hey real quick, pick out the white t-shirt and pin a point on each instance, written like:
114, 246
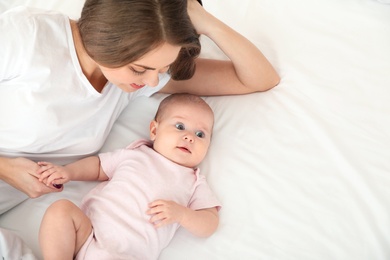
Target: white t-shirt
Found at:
48, 108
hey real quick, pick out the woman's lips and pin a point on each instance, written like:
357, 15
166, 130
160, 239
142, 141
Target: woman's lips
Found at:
136, 86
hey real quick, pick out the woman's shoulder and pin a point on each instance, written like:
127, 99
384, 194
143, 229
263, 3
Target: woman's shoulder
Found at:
28, 18
26, 32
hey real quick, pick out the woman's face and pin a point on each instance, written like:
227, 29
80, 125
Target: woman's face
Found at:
144, 71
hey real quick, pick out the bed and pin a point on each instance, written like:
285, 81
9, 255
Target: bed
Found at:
302, 170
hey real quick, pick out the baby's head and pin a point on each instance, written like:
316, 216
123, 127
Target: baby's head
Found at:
182, 129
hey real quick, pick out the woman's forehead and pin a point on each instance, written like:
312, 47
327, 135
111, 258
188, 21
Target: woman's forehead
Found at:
160, 57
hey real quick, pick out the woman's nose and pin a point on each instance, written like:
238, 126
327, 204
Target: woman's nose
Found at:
151, 79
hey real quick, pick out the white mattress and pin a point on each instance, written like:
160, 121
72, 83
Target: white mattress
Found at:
303, 170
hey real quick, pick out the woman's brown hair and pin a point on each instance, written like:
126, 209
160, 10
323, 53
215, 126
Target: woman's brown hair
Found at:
118, 32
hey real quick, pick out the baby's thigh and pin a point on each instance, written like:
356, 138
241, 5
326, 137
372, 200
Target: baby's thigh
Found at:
83, 226
71, 221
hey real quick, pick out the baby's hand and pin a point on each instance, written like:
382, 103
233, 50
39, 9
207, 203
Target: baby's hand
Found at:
165, 212
52, 174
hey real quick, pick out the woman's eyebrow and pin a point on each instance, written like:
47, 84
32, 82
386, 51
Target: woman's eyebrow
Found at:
145, 67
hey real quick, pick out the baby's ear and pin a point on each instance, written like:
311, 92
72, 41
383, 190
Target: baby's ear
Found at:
153, 129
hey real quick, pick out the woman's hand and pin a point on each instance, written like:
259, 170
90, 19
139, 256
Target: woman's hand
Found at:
245, 71
21, 174
199, 16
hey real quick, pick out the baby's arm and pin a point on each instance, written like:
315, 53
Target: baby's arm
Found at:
202, 223
87, 169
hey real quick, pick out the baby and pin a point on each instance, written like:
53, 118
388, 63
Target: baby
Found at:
150, 188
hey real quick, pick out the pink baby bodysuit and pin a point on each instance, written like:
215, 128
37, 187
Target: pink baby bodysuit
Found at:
117, 208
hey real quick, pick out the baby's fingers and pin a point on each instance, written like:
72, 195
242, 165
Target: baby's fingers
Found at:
44, 166
56, 183
57, 179
160, 220
45, 174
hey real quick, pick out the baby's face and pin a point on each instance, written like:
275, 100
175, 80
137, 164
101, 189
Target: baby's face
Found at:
183, 133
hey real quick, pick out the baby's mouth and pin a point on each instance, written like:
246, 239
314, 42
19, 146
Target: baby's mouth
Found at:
184, 149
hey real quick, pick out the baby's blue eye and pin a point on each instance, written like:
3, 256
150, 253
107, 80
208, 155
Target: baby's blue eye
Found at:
200, 134
180, 126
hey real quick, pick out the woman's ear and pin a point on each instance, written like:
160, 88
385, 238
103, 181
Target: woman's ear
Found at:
153, 129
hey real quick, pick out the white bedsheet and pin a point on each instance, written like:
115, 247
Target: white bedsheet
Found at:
303, 170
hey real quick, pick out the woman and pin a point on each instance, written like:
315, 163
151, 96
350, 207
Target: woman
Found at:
66, 81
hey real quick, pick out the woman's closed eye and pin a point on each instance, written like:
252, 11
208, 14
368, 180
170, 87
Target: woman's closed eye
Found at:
140, 72
137, 72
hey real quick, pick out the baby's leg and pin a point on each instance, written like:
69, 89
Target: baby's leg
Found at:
64, 229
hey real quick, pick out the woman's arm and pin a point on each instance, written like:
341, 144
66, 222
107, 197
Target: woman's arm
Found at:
20, 173
247, 70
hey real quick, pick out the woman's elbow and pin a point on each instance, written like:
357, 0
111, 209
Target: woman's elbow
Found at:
274, 81
270, 82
